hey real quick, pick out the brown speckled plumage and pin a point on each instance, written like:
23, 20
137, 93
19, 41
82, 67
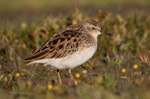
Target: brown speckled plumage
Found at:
71, 39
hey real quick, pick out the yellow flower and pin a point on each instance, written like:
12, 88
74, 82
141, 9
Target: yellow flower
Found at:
23, 25
135, 66
123, 70
49, 86
77, 75
17, 74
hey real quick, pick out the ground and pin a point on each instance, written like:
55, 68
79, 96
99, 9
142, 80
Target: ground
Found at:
119, 69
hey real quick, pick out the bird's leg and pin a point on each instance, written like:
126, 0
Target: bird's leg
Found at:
59, 78
71, 77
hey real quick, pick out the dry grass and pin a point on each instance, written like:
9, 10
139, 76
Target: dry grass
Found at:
102, 77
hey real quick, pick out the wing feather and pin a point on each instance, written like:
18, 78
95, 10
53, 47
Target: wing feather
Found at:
58, 46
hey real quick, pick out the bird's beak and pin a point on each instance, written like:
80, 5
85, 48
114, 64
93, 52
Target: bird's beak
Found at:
108, 34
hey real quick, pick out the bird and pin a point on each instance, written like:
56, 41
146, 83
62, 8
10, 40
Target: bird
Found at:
68, 48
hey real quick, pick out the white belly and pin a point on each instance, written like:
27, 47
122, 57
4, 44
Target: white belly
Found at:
70, 61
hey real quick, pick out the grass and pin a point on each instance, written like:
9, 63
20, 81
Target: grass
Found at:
54, 4
110, 74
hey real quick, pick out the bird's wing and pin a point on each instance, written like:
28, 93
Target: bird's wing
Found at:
58, 46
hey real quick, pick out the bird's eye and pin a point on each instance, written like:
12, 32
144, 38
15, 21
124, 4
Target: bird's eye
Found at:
93, 28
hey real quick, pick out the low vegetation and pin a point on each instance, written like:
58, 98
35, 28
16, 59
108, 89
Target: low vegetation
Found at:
120, 69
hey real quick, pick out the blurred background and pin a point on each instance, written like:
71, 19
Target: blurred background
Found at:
119, 69
27, 9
